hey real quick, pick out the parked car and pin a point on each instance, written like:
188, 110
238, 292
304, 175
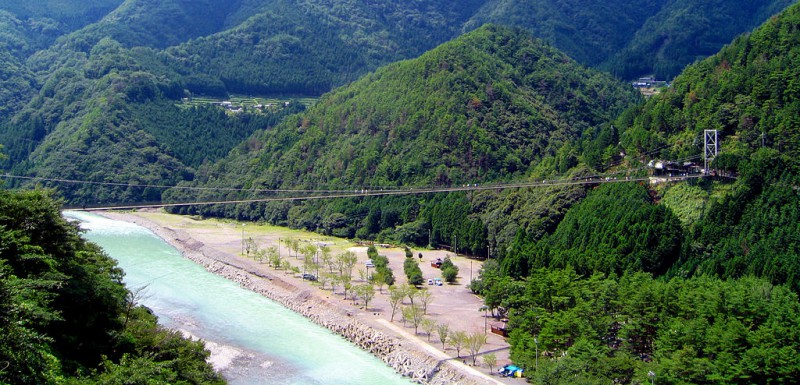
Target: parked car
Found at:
511, 371
309, 277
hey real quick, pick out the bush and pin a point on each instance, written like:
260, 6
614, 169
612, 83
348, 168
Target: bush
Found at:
450, 274
412, 270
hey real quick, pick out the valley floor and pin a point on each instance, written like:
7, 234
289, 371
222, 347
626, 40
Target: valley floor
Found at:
453, 305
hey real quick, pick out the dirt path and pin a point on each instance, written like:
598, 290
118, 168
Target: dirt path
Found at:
453, 305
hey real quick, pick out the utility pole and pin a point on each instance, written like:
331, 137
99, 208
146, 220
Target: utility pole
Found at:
711, 147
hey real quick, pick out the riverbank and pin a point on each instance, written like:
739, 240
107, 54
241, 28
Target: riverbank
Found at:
214, 247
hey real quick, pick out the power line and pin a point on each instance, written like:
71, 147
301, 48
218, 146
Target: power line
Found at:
317, 194
120, 184
410, 191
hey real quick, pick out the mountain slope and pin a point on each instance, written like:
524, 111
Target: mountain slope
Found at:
630, 39
71, 13
289, 47
685, 31
750, 93
745, 226
110, 120
483, 107
16, 80
588, 31
488, 106
303, 47
161, 23
717, 301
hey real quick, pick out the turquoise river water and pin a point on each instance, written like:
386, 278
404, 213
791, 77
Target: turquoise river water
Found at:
253, 340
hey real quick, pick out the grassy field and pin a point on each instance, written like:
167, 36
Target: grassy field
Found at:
265, 235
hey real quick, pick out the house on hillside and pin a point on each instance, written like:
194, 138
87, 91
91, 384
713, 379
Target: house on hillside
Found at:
672, 169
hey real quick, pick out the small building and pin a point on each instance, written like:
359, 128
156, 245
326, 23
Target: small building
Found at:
500, 329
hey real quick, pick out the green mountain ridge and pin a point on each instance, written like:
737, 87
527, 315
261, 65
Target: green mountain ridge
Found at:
695, 282
718, 301
60, 52
685, 31
486, 107
749, 93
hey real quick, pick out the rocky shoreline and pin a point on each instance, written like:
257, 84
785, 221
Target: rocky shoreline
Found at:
404, 358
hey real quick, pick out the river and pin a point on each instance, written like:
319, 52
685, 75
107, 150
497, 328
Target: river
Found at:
253, 340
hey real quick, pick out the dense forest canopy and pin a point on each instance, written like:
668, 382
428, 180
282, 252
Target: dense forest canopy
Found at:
720, 303
748, 92
75, 71
685, 31
66, 316
486, 107
696, 282
630, 39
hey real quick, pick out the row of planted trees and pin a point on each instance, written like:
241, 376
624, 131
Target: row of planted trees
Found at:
406, 300
319, 264
414, 313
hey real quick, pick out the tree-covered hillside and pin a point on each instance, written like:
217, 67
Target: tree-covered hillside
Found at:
489, 106
685, 31
688, 283
65, 62
749, 93
71, 13
16, 80
66, 317
109, 119
304, 47
161, 23
96, 105
630, 39
588, 31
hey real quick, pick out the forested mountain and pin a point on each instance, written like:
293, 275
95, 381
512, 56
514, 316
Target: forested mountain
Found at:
68, 67
588, 31
631, 39
97, 104
16, 80
694, 282
751, 94
488, 106
160, 23
305, 47
65, 315
684, 31
71, 14
483, 107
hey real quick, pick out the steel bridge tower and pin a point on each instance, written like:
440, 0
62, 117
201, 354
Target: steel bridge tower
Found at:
711, 148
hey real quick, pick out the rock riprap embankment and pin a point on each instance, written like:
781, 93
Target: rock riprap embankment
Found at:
400, 355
